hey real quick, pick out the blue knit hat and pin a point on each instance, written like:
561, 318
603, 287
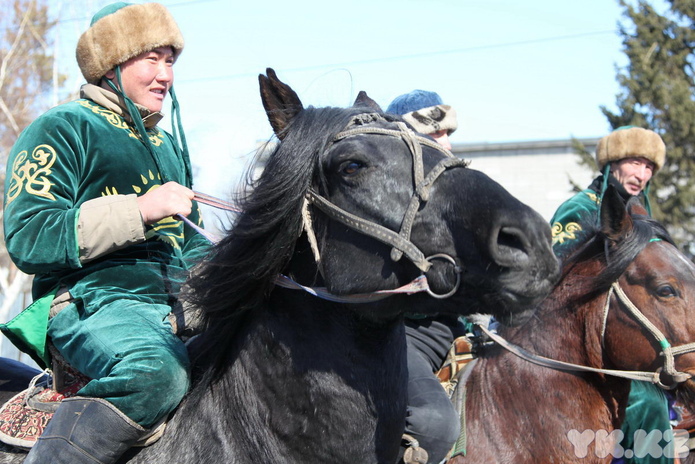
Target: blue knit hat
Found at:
425, 111
413, 101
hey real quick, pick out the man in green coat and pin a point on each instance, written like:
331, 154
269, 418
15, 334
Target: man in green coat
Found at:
627, 158
94, 196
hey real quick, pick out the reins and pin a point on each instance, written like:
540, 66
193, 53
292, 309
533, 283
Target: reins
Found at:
400, 241
654, 377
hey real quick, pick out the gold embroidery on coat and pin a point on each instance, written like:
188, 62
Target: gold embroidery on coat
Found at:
168, 230
156, 137
112, 118
568, 233
31, 173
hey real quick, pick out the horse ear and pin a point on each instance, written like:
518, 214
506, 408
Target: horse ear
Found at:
636, 208
363, 101
281, 103
615, 220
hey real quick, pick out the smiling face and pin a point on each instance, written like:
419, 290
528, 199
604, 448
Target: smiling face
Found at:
633, 173
148, 77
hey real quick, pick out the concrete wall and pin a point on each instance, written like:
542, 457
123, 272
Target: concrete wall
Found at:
537, 172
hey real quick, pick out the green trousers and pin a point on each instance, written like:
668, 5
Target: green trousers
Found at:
128, 349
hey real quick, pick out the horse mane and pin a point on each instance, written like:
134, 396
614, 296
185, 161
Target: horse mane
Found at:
239, 274
615, 255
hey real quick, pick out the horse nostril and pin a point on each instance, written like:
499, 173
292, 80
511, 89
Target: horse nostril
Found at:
510, 247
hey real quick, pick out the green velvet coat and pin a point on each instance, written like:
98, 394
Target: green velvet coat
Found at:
67, 157
570, 222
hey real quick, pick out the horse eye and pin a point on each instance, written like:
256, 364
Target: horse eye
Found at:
350, 168
665, 291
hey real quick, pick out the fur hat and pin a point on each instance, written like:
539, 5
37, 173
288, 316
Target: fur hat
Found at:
631, 142
122, 31
424, 111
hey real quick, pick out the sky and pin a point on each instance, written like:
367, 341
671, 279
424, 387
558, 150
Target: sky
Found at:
513, 70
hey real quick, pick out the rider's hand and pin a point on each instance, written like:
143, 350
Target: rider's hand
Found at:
165, 201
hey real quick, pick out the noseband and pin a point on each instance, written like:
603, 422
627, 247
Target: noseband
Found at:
400, 241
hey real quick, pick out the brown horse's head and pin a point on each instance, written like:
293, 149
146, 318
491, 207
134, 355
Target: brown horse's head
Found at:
651, 310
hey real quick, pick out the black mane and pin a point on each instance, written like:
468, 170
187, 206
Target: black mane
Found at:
618, 255
242, 267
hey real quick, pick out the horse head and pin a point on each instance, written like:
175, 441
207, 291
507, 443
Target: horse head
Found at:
648, 309
384, 205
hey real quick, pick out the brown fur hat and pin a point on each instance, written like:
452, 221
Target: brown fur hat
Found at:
122, 31
631, 142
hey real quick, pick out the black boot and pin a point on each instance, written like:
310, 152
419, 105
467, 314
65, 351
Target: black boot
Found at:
85, 430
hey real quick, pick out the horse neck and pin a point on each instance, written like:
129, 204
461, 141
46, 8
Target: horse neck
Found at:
548, 401
317, 365
566, 326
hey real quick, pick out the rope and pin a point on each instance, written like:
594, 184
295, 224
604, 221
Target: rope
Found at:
416, 286
653, 377
215, 202
565, 366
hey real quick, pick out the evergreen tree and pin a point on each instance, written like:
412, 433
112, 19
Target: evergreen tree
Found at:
658, 93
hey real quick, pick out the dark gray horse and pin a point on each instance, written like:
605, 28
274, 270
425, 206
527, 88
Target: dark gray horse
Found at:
285, 377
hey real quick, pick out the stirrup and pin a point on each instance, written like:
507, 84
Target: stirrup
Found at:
413, 453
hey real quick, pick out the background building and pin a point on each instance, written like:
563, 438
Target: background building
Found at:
539, 173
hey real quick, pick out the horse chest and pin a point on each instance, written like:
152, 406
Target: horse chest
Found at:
507, 397
324, 390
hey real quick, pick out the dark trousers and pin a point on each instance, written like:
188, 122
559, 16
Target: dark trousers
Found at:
431, 418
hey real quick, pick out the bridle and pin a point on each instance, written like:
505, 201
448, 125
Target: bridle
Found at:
400, 241
668, 352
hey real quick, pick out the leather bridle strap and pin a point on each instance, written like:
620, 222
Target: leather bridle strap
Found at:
400, 241
652, 377
371, 229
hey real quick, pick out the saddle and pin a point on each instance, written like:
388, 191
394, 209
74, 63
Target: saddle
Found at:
24, 417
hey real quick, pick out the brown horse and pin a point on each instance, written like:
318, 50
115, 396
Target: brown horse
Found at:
518, 412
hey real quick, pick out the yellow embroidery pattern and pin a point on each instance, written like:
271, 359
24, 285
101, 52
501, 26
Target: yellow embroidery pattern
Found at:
593, 196
156, 137
31, 173
169, 230
569, 232
112, 118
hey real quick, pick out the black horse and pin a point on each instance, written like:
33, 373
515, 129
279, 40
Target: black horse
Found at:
353, 201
